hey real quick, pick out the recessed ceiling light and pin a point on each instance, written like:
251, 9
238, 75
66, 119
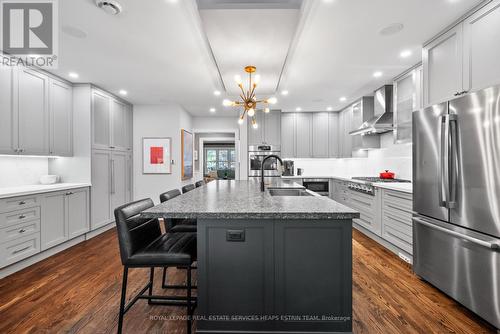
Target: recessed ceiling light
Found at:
213, 110
343, 99
172, 1
298, 109
123, 92
217, 92
73, 75
327, 1
284, 92
111, 7
377, 74
405, 53
391, 29
329, 108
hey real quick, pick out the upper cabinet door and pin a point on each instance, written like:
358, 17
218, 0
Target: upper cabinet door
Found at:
405, 102
101, 120
288, 135
303, 135
256, 136
119, 124
482, 48
61, 118
130, 128
333, 135
33, 113
347, 145
8, 111
442, 60
320, 135
272, 128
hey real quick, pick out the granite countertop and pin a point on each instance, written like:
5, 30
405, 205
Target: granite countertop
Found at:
244, 200
396, 186
38, 189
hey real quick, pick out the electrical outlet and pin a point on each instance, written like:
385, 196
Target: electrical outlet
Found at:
404, 258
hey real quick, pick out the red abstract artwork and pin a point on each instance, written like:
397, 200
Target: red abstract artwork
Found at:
156, 155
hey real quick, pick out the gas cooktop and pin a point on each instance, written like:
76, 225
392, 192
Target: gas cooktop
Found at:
377, 179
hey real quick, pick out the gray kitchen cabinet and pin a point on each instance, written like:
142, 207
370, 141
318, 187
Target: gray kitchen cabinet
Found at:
356, 122
303, 134
481, 50
119, 180
101, 120
288, 135
369, 207
442, 61
54, 230
320, 137
8, 111
33, 114
130, 178
333, 135
256, 136
61, 118
397, 219
101, 188
64, 215
272, 128
119, 138
406, 101
78, 209
130, 128
345, 127
268, 131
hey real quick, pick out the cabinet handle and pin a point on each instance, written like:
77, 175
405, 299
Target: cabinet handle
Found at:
111, 147
22, 230
21, 250
69, 193
22, 216
22, 203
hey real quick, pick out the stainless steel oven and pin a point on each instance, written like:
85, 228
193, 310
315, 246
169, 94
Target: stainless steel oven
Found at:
256, 155
319, 186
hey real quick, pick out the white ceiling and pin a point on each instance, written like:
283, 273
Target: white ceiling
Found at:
159, 51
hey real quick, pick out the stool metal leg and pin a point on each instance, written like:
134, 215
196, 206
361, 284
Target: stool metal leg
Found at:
164, 279
122, 300
151, 280
189, 306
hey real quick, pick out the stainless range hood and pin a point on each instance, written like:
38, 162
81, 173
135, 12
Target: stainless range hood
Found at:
382, 122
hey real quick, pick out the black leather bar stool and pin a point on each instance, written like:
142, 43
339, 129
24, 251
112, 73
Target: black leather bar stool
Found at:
175, 226
188, 188
142, 245
200, 183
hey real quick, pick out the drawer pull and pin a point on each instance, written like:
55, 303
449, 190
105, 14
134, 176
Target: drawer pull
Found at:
22, 203
22, 230
22, 216
69, 193
21, 250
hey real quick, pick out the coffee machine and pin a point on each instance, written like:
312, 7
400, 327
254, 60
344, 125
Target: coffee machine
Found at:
288, 168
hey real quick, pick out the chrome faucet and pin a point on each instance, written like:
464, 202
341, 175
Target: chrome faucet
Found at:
262, 187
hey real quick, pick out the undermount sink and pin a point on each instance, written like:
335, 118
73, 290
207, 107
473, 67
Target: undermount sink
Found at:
288, 192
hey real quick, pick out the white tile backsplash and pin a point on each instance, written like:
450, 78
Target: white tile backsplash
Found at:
20, 171
396, 158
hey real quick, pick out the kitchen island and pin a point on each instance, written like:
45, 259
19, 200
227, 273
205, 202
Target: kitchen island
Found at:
268, 262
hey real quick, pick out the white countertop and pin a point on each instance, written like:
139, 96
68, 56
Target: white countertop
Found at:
396, 186
38, 189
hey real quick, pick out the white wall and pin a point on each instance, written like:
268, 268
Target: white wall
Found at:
20, 171
158, 121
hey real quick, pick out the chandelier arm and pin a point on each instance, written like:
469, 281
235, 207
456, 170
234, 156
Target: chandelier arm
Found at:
242, 91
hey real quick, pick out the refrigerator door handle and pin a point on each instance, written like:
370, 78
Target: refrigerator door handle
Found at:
443, 174
491, 245
453, 126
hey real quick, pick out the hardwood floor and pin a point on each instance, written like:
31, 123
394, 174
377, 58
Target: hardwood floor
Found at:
78, 291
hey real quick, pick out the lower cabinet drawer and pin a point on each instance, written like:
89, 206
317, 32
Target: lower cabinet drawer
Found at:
18, 203
398, 231
18, 231
19, 216
19, 249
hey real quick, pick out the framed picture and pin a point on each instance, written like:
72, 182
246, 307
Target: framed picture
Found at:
157, 155
187, 154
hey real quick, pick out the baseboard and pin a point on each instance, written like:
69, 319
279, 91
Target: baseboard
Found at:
18, 266
396, 250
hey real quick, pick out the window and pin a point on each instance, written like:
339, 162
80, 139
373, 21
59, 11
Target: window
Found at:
221, 160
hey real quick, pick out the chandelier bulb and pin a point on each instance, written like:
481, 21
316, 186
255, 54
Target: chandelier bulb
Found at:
251, 112
254, 123
238, 80
227, 103
241, 120
272, 100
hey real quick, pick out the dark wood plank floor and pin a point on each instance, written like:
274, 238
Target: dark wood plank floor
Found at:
78, 291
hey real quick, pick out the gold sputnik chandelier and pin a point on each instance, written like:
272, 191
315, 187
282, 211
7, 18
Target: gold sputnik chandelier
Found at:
248, 100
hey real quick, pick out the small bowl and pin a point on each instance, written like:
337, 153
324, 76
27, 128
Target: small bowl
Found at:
49, 179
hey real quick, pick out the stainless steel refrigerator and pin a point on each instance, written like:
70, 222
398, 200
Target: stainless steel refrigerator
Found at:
456, 228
